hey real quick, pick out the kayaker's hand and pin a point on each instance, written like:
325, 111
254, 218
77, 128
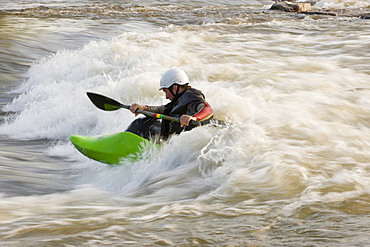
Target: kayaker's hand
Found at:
185, 120
135, 106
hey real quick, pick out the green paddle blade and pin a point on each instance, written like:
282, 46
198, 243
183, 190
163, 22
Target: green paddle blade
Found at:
109, 107
105, 103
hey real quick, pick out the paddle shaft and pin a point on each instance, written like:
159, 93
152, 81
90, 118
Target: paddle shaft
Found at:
157, 115
108, 104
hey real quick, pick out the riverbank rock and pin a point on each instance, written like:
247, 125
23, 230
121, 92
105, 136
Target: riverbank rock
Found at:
305, 8
291, 6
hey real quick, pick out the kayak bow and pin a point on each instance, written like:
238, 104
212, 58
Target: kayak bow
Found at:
111, 149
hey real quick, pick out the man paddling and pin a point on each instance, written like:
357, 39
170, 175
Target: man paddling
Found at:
186, 103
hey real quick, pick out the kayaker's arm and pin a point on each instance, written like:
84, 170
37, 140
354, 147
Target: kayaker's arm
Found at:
204, 112
135, 106
157, 109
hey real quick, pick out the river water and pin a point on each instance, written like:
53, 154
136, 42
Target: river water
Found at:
292, 169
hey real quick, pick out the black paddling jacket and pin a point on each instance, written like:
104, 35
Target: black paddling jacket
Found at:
190, 102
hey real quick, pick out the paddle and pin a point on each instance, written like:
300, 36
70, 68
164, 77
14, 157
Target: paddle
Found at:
108, 104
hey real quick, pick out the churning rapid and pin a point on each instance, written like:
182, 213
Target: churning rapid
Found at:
292, 167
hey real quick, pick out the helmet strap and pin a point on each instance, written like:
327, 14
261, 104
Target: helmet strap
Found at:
177, 91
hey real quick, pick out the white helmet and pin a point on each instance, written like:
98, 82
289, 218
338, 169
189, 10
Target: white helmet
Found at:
173, 76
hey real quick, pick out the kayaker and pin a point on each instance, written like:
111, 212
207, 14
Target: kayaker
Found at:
186, 103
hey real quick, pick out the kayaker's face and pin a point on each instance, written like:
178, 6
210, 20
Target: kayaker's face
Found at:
168, 93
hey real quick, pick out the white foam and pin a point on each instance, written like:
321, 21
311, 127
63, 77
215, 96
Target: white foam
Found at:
292, 114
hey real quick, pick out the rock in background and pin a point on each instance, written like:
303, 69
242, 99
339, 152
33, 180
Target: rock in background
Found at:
305, 8
291, 6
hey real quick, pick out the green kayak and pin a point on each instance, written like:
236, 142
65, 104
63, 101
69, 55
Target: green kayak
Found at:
112, 148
